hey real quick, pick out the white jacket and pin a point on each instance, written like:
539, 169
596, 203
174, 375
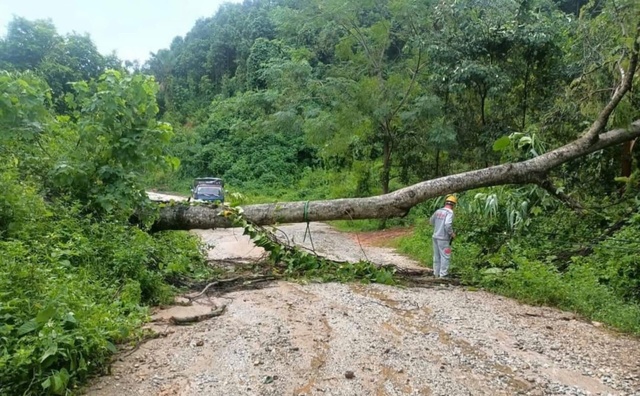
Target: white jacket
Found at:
442, 221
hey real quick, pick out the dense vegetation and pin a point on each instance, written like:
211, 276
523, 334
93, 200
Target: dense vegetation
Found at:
75, 276
293, 99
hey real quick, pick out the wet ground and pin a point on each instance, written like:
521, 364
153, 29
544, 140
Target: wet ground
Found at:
353, 339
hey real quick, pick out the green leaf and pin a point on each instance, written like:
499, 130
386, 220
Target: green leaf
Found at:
45, 315
174, 162
111, 347
82, 364
46, 384
52, 350
524, 141
58, 384
64, 377
70, 317
28, 327
492, 271
502, 143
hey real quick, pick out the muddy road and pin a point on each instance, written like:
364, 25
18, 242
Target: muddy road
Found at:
352, 339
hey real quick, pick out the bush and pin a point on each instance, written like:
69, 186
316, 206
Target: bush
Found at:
75, 277
59, 323
74, 290
527, 263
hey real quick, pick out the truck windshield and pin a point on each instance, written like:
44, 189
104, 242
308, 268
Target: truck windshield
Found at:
209, 190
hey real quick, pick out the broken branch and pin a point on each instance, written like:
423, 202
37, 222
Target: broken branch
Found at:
197, 318
548, 185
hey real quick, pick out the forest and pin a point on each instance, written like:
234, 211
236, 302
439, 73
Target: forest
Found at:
292, 100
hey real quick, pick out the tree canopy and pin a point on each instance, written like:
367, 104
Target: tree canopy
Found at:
391, 92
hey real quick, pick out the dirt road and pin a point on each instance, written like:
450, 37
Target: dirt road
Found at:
337, 339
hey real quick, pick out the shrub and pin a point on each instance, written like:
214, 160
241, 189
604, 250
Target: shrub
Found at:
529, 263
74, 290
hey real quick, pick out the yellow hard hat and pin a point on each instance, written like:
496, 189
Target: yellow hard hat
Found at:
451, 198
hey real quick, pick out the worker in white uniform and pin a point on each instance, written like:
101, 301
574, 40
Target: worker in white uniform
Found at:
443, 234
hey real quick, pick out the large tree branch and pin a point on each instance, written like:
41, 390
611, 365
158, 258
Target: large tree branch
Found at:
548, 185
626, 83
397, 203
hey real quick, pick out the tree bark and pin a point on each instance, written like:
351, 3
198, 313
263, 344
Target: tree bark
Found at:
386, 165
626, 159
526, 96
397, 203
483, 98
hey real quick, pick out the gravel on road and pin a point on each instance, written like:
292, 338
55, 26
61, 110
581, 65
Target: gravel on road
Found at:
355, 339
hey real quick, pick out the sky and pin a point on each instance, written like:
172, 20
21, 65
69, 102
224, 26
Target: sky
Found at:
133, 28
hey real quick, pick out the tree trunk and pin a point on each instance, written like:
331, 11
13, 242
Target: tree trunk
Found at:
483, 97
626, 159
386, 165
526, 97
397, 203
626, 162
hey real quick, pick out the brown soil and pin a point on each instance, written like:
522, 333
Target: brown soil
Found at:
382, 238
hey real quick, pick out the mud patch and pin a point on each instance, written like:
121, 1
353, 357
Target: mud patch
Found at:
395, 377
382, 238
319, 359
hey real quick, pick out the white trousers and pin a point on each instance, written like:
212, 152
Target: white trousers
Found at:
441, 257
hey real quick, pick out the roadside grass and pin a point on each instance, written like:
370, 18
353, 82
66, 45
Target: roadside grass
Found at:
417, 245
584, 288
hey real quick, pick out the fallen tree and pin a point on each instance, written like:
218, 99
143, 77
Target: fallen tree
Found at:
398, 203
